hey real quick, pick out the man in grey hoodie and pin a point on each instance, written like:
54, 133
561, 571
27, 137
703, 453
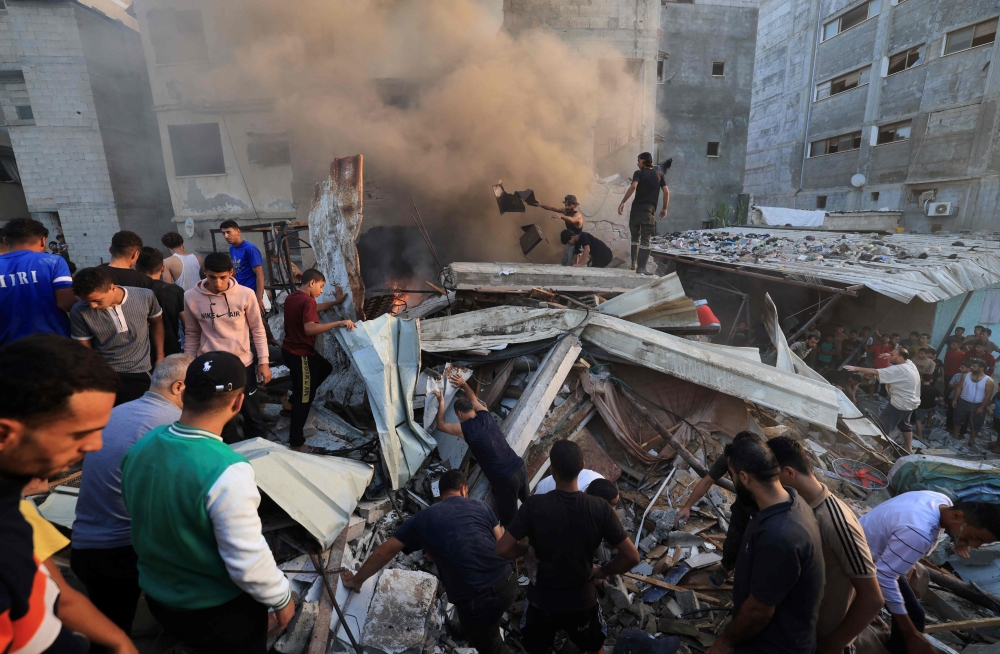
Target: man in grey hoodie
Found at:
222, 316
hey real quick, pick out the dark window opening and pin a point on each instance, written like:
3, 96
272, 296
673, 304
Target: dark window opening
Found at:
893, 133
197, 149
854, 17
821, 202
24, 112
713, 149
835, 144
659, 71
273, 153
900, 62
874, 196
718, 68
178, 36
970, 37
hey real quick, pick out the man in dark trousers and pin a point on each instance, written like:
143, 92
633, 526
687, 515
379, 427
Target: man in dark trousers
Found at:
646, 184
565, 527
590, 250
170, 297
461, 535
504, 469
779, 577
306, 367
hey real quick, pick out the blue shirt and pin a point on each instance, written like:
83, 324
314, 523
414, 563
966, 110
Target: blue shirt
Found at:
458, 534
28, 284
102, 522
245, 258
483, 436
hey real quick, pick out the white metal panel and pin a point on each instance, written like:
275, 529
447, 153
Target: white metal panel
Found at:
663, 290
494, 326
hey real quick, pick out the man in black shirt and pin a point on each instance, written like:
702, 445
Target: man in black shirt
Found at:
646, 184
461, 537
125, 249
779, 577
565, 527
590, 250
170, 297
504, 469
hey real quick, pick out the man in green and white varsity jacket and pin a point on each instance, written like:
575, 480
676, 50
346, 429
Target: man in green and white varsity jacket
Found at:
208, 574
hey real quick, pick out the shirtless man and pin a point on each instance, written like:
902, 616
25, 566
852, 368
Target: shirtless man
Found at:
183, 267
570, 214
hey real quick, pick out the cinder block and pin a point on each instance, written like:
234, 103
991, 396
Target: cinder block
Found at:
397, 618
373, 510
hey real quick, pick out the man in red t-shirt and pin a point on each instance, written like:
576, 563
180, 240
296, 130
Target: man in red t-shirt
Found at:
953, 358
875, 353
307, 368
979, 352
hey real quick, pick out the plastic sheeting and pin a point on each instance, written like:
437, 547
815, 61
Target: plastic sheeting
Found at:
783, 216
706, 409
318, 492
386, 353
959, 479
452, 449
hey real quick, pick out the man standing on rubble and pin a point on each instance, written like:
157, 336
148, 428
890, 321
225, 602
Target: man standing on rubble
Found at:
906, 528
570, 214
902, 382
778, 583
851, 596
247, 262
208, 574
646, 184
460, 535
565, 527
504, 469
972, 395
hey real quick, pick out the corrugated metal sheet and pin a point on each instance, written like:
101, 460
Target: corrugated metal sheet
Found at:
470, 276
948, 270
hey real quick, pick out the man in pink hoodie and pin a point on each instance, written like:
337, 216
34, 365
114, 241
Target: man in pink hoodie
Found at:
222, 316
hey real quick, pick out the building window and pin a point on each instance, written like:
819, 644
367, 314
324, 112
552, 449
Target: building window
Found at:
24, 112
835, 144
718, 68
178, 36
713, 148
853, 18
874, 196
197, 149
269, 153
821, 202
972, 36
900, 62
659, 70
843, 83
893, 133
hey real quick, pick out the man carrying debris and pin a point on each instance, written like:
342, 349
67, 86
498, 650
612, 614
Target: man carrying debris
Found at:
504, 469
102, 556
590, 251
570, 214
906, 528
208, 574
902, 382
306, 367
778, 583
564, 527
460, 535
222, 316
972, 395
646, 184
851, 596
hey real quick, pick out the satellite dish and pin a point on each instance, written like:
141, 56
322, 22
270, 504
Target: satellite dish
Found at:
189, 227
858, 180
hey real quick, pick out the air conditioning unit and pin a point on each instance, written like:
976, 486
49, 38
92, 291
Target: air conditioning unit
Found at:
940, 208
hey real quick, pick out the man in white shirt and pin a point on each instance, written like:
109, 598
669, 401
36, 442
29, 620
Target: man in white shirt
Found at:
902, 382
586, 476
973, 392
906, 528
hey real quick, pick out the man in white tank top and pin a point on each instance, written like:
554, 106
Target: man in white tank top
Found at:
973, 393
184, 268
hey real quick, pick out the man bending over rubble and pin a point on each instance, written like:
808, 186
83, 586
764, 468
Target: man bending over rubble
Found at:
778, 583
460, 534
902, 530
504, 469
851, 596
565, 527
208, 574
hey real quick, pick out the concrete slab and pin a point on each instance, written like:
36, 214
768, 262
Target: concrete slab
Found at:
397, 618
296, 637
373, 510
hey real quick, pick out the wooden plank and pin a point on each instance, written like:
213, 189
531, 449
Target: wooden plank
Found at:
321, 632
652, 581
981, 623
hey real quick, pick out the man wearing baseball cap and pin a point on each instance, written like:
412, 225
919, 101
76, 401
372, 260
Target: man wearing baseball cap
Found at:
570, 213
208, 574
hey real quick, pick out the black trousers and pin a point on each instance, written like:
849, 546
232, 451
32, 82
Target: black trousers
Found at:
307, 374
111, 577
896, 643
739, 518
253, 421
131, 386
480, 616
506, 493
238, 626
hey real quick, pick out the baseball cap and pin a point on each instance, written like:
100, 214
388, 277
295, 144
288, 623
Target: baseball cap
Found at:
571, 199
215, 372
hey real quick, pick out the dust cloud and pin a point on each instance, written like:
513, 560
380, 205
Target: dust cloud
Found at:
440, 100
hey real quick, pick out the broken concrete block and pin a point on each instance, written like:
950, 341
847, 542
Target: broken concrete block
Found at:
397, 618
703, 560
355, 528
296, 637
687, 601
649, 542
355, 605
643, 569
373, 510
617, 594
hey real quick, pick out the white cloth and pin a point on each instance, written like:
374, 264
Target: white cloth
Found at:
586, 476
973, 391
903, 384
231, 504
190, 271
899, 532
